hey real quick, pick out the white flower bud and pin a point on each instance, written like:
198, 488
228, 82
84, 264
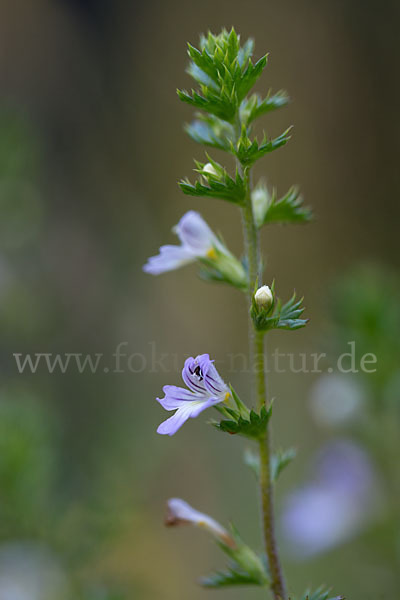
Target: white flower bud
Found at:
208, 168
264, 297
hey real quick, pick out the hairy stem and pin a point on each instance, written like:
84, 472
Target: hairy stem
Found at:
266, 485
258, 367
252, 253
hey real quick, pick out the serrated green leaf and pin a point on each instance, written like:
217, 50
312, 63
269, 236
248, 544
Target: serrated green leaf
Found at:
254, 107
220, 105
201, 77
288, 209
278, 316
222, 186
225, 74
245, 566
254, 427
252, 460
245, 52
234, 576
248, 152
204, 62
289, 313
211, 131
321, 593
280, 460
233, 46
250, 76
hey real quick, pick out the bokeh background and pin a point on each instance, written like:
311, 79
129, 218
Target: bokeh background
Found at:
91, 147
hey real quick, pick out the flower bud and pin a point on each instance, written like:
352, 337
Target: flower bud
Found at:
264, 297
260, 199
210, 170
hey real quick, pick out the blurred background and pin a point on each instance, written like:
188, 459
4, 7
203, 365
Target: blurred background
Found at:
91, 147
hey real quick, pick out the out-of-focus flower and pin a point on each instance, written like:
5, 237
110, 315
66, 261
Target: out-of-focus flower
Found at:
336, 399
338, 503
29, 571
244, 562
206, 388
264, 297
180, 512
197, 241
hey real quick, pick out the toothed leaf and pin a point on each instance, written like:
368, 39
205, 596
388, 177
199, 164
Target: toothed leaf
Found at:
211, 131
220, 185
248, 152
255, 106
280, 460
288, 209
254, 427
278, 316
234, 576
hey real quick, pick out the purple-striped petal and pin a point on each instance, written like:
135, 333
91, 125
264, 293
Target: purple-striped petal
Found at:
187, 410
206, 388
193, 376
176, 396
213, 382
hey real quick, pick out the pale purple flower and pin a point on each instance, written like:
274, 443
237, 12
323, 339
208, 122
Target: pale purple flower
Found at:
180, 512
341, 499
197, 241
206, 388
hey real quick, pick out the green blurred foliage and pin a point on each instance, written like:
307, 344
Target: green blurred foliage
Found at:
27, 462
365, 308
91, 147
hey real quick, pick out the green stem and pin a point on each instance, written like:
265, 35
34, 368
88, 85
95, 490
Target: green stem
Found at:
258, 367
252, 253
266, 485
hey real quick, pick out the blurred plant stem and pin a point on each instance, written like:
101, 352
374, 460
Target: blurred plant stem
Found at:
258, 370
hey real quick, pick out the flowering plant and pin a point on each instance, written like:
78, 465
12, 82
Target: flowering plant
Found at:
225, 74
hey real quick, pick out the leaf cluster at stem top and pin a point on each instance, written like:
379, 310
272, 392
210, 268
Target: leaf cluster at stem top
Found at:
225, 74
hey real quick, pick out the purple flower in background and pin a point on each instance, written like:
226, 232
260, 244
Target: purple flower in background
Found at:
206, 388
337, 399
197, 241
338, 502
